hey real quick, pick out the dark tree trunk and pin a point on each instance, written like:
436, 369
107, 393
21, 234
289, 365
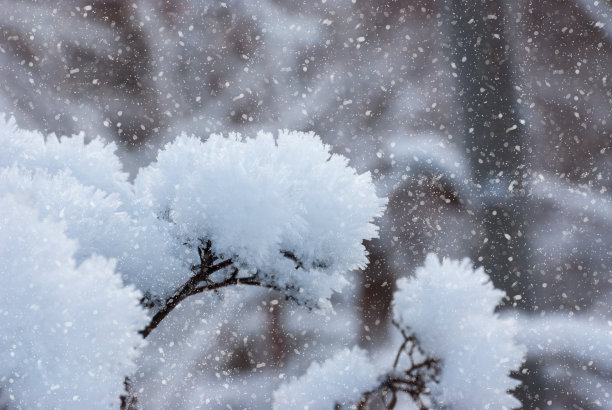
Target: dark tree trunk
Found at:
496, 147
494, 140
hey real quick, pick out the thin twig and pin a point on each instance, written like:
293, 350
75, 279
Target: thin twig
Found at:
202, 273
412, 381
204, 270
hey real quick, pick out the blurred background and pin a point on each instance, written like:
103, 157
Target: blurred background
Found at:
487, 123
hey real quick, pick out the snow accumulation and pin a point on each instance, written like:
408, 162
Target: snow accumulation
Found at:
450, 307
339, 380
75, 232
69, 333
283, 209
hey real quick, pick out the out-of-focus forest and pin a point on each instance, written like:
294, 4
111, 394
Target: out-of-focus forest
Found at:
487, 123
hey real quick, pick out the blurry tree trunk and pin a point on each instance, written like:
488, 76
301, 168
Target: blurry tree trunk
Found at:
276, 334
375, 297
494, 140
495, 143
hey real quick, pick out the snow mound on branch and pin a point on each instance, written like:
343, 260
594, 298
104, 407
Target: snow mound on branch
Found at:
92, 164
100, 224
340, 380
84, 185
68, 335
284, 209
449, 307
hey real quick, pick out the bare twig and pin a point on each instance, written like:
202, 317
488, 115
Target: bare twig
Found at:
412, 381
202, 273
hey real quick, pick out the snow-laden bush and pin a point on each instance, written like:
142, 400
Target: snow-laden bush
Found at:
456, 352
68, 333
450, 308
286, 211
280, 212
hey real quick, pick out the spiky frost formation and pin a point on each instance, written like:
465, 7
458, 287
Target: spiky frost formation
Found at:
449, 307
68, 334
284, 209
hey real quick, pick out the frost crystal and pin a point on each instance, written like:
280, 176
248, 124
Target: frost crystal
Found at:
449, 307
94, 164
83, 185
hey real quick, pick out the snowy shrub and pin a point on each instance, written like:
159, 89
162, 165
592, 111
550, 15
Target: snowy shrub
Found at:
280, 212
285, 211
456, 352
449, 307
69, 334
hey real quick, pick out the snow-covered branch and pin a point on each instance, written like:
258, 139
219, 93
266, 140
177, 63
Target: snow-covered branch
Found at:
447, 355
281, 213
286, 212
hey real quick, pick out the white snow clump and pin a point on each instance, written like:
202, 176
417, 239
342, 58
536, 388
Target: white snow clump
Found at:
449, 307
339, 380
283, 209
68, 334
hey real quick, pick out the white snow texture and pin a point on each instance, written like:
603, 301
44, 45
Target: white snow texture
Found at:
339, 380
69, 335
284, 209
449, 307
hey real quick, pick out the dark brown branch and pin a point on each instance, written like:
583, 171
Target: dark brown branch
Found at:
399, 352
128, 400
202, 274
412, 381
251, 281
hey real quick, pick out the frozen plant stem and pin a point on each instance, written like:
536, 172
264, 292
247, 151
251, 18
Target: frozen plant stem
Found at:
413, 380
202, 273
